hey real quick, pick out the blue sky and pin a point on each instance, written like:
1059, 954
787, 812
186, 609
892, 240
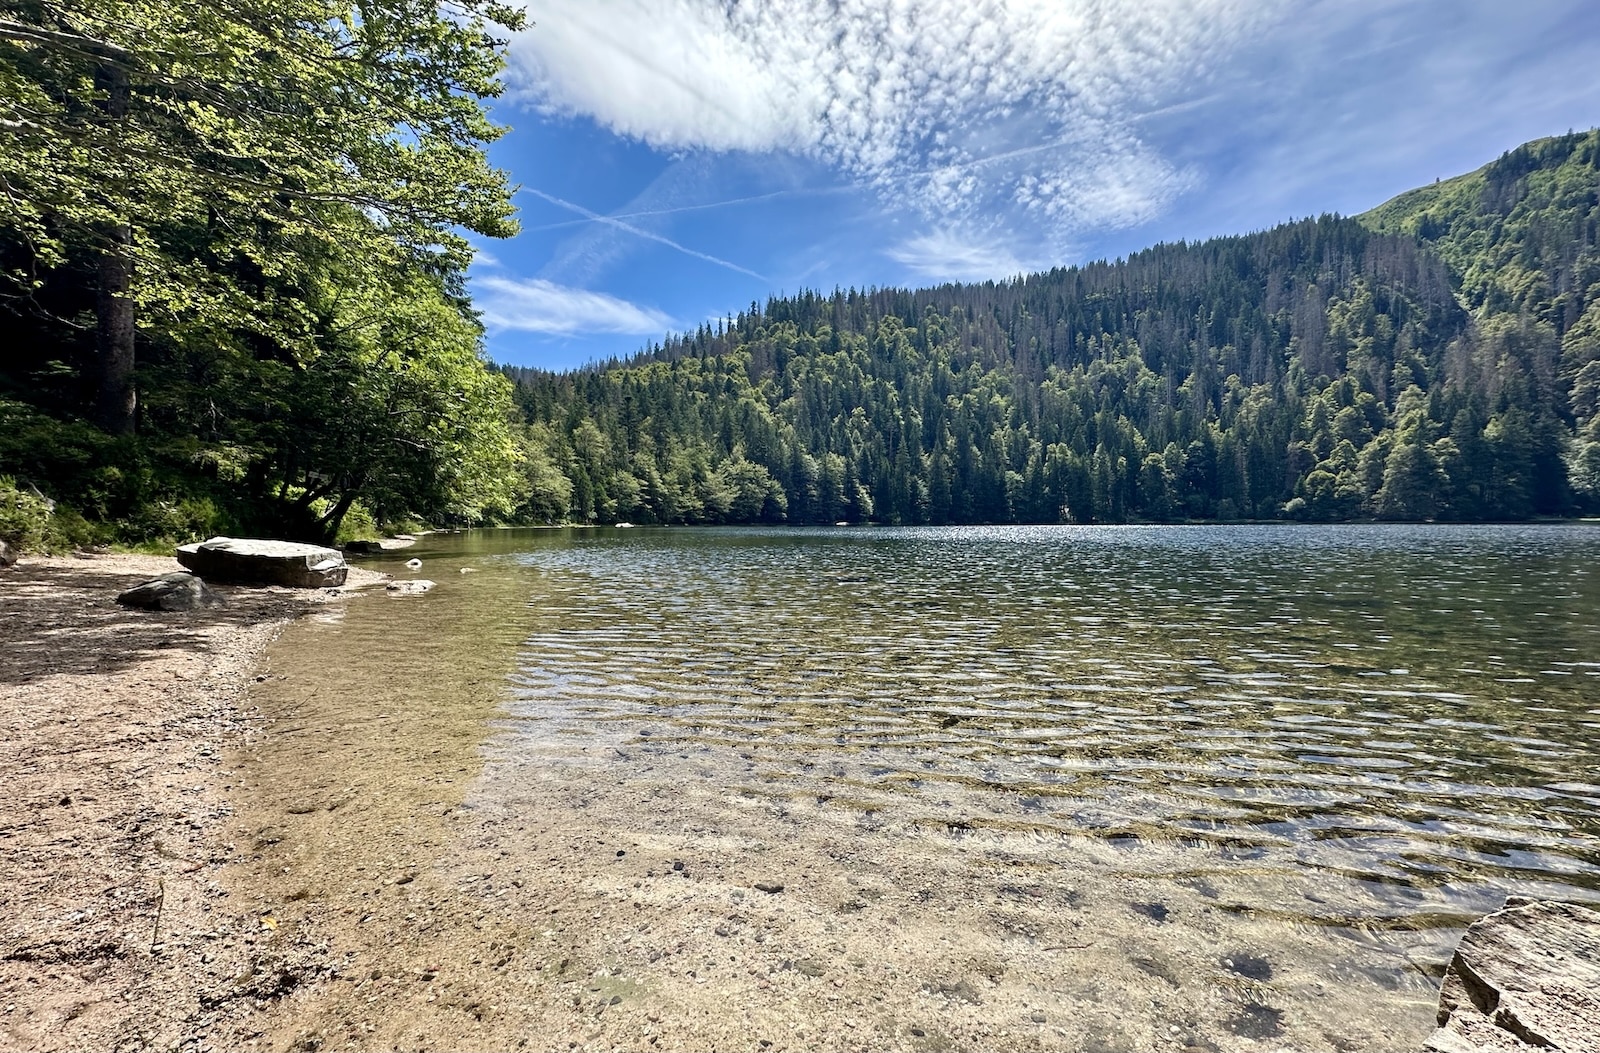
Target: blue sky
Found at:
680, 159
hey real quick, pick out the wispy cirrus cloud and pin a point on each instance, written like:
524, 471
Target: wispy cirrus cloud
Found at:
533, 305
957, 110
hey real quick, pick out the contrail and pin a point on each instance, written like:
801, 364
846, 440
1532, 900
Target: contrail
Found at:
636, 232
674, 210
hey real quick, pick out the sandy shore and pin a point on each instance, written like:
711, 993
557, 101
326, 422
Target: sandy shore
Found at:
114, 932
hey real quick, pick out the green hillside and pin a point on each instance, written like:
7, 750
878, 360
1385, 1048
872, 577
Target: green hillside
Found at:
1430, 360
1437, 358
1520, 234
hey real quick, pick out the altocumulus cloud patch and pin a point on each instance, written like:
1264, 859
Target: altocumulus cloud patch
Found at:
960, 110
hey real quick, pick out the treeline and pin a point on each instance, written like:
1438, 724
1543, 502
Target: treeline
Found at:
1438, 358
231, 268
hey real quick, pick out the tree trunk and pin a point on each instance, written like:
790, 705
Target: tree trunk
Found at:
117, 401
331, 522
117, 398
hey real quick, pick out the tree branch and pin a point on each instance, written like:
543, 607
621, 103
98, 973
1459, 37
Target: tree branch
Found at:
56, 38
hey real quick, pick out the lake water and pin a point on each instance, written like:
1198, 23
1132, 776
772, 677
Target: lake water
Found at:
1303, 758
1416, 710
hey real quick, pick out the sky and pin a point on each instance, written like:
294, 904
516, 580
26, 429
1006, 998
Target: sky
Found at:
678, 160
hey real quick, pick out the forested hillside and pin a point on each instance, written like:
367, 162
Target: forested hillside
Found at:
1437, 358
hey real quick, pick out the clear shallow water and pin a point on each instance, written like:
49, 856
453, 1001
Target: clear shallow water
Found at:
1216, 790
1403, 723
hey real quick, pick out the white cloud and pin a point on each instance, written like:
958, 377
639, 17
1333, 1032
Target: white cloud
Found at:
951, 256
955, 109
534, 305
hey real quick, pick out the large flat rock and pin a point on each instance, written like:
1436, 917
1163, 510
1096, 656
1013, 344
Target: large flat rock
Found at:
265, 562
1526, 977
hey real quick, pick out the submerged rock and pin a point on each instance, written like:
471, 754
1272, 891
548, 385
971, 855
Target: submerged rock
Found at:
378, 546
409, 588
178, 591
1525, 977
265, 562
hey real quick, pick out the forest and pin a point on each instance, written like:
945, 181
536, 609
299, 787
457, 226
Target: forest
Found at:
1437, 358
233, 251
232, 259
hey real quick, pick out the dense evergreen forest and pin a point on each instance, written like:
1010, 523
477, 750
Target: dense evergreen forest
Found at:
1436, 358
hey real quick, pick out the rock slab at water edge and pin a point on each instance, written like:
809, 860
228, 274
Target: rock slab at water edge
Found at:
378, 546
265, 562
178, 591
1525, 977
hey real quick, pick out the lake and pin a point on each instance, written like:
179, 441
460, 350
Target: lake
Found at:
1189, 788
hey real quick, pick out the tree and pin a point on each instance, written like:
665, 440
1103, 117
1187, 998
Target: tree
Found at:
194, 148
1412, 482
396, 412
1155, 488
757, 497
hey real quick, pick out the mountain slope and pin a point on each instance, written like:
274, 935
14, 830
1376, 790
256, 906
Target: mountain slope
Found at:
1409, 365
1521, 233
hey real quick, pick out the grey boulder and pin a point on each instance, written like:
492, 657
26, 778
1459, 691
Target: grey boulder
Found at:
8, 555
257, 560
1525, 977
178, 591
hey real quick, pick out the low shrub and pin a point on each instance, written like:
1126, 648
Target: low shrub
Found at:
25, 517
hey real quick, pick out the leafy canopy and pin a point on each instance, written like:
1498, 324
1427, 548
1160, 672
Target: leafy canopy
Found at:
286, 185
262, 122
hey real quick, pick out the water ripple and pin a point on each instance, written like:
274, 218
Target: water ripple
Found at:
1410, 707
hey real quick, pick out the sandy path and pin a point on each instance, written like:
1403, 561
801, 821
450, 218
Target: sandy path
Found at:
114, 933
